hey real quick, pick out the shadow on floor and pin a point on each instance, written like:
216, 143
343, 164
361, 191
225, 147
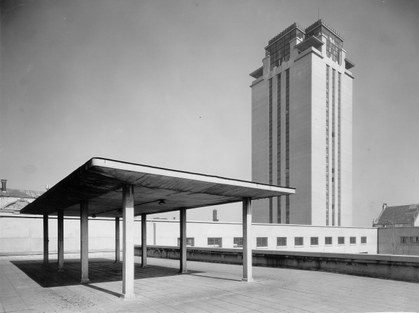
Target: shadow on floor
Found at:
100, 270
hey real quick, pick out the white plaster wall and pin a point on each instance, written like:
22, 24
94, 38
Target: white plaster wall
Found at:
346, 157
318, 144
168, 232
24, 235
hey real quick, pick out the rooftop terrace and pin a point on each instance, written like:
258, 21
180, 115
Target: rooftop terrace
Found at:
26, 285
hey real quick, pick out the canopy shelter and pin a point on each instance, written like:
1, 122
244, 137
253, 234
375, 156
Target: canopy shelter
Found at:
110, 188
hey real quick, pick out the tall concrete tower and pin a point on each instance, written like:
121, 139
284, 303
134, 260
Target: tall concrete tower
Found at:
302, 127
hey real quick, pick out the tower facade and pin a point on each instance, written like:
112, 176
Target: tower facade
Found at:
302, 127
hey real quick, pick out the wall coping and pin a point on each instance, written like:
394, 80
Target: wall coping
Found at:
322, 255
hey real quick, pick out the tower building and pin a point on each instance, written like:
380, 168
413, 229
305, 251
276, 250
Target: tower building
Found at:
302, 127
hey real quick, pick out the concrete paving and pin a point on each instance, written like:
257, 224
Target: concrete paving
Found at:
28, 286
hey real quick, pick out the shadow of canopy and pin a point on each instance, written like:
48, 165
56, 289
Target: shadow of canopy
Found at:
101, 270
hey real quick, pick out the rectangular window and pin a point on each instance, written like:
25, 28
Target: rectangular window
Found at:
215, 242
339, 150
281, 241
238, 242
412, 240
278, 144
352, 240
341, 240
287, 143
328, 240
314, 241
190, 242
333, 144
299, 241
270, 146
363, 239
261, 242
327, 144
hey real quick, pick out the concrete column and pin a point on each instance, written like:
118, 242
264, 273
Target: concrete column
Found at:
60, 233
46, 239
117, 241
247, 240
128, 242
84, 241
143, 240
183, 268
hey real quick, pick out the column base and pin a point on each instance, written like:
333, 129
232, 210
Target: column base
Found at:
128, 296
248, 280
85, 281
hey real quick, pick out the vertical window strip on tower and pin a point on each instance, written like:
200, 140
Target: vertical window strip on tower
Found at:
287, 142
278, 142
339, 149
333, 146
270, 147
327, 144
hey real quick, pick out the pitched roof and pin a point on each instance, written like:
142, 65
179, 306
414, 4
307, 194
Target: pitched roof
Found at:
20, 193
15, 206
397, 215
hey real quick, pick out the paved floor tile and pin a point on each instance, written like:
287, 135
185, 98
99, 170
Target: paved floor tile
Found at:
28, 286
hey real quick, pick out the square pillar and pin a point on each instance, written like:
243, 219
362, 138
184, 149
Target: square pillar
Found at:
117, 241
84, 241
128, 242
46, 239
60, 233
183, 268
247, 240
143, 240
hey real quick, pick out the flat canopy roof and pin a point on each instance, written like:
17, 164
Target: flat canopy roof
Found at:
156, 190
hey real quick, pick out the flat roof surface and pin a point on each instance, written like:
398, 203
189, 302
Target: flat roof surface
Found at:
27, 286
156, 190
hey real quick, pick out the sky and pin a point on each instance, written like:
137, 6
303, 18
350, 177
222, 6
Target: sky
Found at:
166, 83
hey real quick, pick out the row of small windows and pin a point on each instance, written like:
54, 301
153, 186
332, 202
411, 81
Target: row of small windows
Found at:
409, 240
217, 242
314, 241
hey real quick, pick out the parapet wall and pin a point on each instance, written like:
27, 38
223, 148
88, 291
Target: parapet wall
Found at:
23, 234
405, 268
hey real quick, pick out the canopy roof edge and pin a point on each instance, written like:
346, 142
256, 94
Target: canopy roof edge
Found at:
157, 189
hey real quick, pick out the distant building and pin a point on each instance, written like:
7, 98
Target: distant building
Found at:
302, 127
398, 216
398, 229
398, 240
13, 200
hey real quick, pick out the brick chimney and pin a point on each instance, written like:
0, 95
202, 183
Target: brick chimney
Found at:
3, 185
214, 215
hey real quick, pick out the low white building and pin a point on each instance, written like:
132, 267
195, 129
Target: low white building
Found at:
267, 236
22, 234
